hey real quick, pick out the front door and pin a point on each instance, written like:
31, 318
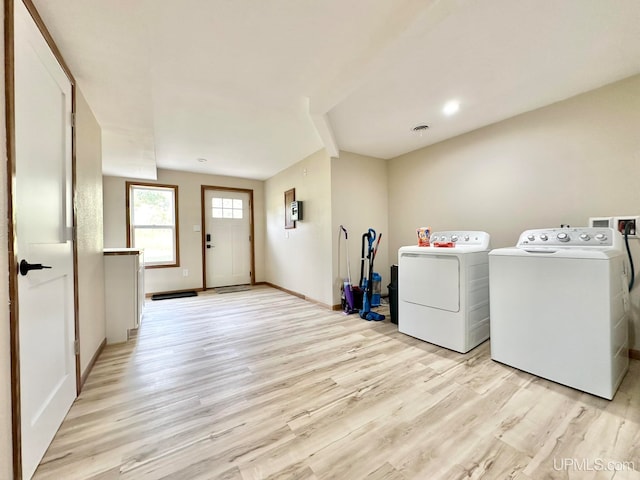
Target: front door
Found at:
44, 233
227, 224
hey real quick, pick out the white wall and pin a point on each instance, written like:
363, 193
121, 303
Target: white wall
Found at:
5, 363
359, 201
170, 279
299, 259
91, 313
559, 164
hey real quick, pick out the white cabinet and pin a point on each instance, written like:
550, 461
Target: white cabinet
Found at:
124, 291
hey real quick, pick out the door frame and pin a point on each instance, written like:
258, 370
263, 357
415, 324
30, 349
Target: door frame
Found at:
14, 317
203, 190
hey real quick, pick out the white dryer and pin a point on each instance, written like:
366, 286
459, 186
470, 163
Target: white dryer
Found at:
559, 303
443, 291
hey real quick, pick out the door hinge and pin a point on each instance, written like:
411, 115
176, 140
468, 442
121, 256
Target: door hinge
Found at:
73, 120
76, 347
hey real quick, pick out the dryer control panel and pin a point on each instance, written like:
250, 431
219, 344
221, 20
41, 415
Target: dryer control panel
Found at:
461, 238
581, 237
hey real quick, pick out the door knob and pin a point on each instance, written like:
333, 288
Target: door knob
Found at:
26, 267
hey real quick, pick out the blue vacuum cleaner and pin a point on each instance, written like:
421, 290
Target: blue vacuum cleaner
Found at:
367, 284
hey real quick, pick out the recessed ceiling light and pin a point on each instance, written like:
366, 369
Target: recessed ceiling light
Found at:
202, 160
451, 107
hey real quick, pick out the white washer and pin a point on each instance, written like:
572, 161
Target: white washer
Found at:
443, 292
559, 303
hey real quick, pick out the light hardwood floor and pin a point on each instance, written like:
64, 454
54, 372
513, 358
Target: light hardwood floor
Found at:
261, 384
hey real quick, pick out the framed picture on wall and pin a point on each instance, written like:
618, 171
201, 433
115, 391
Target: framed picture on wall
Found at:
289, 196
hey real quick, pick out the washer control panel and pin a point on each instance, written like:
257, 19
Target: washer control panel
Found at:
461, 238
569, 237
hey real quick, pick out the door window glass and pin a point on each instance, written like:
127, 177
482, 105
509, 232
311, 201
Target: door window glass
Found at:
226, 208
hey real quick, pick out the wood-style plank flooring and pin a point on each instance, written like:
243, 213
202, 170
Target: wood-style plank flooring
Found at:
264, 385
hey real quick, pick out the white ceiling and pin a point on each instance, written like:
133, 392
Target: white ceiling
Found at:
254, 86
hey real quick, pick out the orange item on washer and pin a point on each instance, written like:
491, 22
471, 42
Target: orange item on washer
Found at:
424, 233
444, 244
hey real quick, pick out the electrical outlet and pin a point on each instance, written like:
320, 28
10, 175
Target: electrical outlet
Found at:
185, 272
621, 222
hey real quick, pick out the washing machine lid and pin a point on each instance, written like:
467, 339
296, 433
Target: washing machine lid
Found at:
541, 252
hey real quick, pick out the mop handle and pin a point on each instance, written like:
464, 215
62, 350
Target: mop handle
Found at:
346, 238
375, 250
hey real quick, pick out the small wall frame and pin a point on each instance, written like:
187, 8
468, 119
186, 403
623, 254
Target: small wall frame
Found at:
289, 196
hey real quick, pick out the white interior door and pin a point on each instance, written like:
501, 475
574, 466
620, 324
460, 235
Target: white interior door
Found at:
43, 211
227, 238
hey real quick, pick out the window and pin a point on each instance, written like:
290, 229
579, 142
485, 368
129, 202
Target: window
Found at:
152, 219
226, 208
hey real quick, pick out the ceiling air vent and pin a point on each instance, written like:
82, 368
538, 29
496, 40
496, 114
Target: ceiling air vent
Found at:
420, 129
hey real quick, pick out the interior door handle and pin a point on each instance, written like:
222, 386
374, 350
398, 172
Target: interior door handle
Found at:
26, 267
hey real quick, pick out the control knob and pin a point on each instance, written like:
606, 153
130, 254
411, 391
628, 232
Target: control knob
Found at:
584, 236
466, 238
531, 238
544, 237
454, 238
563, 237
601, 236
